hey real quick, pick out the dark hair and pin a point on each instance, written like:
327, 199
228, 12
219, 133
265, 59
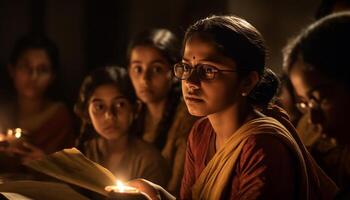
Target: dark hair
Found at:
323, 46
326, 7
108, 75
161, 39
237, 39
34, 41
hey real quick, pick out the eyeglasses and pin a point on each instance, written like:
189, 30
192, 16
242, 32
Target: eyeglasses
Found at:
305, 106
184, 71
313, 102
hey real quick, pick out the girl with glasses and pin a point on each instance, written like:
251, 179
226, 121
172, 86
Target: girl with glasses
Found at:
317, 63
242, 148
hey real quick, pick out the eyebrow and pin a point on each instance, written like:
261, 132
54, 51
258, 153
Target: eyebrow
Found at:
94, 99
154, 61
210, 58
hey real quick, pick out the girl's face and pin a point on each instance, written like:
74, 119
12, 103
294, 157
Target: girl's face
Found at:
32, 74
150, 74
111, 113
205, 97
326, 101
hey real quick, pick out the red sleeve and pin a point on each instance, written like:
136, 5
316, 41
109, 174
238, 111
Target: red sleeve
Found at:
196, 153
266, 170
189, 169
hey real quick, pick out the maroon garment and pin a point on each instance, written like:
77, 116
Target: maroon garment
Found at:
257, 175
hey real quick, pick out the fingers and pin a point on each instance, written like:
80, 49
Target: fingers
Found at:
30, 147
146, 187
25, 151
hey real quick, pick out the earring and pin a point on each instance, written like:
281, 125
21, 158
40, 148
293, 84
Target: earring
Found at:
244, 94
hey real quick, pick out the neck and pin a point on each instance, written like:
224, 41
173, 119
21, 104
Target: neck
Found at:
118, 144
155, 110
30, 106
228, 121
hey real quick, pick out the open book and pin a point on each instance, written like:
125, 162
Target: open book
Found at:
33, 190
70, 166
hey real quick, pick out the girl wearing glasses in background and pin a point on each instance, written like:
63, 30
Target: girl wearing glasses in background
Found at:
107, 106
242, 148
317, 63
163, 118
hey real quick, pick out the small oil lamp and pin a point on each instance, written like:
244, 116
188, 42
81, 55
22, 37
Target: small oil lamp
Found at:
120, 191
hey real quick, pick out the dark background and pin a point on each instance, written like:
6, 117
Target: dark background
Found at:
92, 33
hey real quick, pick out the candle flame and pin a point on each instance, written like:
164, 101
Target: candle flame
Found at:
18, 135
9, 132
120, 186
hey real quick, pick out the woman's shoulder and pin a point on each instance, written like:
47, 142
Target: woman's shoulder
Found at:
266, 147
267, 140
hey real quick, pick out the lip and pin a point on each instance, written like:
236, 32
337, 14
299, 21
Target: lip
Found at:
193, 99
110, 127
145, 91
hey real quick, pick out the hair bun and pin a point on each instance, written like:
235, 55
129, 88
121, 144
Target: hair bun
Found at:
265, 90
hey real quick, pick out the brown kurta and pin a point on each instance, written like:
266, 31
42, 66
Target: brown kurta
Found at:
139, 160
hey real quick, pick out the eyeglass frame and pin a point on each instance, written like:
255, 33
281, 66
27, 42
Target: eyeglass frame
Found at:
312, 103
197, 67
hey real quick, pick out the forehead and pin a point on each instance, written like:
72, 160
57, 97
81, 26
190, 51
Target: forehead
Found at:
107, 91
304, 78
200, 49
39, 54
196, 45
145, 53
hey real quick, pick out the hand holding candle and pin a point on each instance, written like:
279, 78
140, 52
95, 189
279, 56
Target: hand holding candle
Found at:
11, 138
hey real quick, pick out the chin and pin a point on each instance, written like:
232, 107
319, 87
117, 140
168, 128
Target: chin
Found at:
196, 112
112, 137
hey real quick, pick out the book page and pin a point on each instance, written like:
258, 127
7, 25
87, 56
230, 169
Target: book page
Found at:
26, 190
71, 166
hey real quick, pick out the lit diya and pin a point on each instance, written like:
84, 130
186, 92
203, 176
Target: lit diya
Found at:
121, 191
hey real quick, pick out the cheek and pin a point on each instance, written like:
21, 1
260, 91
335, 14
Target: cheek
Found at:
44, 81
161, 84
20, 79
221, 92
94, 121
125, 119
134, 80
